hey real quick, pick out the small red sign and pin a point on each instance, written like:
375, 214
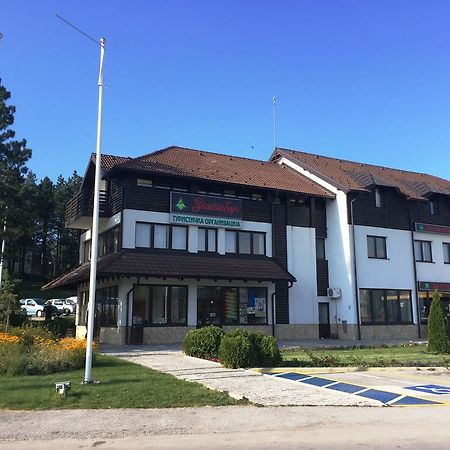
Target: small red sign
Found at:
430, 228
433, 285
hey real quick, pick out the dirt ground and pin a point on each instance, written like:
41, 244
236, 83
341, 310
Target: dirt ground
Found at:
229, 427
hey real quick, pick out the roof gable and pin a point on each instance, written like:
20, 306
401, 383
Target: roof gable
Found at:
355, 176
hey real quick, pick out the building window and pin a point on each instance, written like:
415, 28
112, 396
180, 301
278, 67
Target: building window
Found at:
379, 200
446, 250
230, 241
231, 305
376, 247
433, 206
160, 305
152, 235
207, 240
106, 301
245, 242
144, 182
422, 250
385, 306
108, 242
425, 298
257, 197
320, 248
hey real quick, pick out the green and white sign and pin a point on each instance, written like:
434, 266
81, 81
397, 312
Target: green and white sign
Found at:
205, 210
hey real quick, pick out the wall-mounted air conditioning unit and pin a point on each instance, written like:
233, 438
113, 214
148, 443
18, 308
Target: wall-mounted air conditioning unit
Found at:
334, 293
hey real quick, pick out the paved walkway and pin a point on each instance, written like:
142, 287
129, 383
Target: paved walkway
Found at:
239, 383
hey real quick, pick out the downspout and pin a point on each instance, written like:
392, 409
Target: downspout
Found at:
416, 284
273, 307
355, 270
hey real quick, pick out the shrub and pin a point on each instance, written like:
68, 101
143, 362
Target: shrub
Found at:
235, 351
241, 348
59, 326
203, 342
438, 341
326, 360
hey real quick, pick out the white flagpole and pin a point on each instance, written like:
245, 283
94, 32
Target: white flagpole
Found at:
274, 117
2, 254
95, 220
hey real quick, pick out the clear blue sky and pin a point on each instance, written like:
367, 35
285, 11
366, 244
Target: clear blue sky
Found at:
366, 80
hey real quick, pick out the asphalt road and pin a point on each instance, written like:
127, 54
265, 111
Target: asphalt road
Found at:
424, 427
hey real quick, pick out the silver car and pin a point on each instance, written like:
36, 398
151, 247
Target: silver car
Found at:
33, 306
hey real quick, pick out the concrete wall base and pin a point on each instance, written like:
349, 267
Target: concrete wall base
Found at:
115, 336
381, 332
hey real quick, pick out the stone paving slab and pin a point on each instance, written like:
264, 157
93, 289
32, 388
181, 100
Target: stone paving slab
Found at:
239, 383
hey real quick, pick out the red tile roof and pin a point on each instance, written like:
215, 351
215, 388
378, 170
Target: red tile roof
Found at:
109, 161
355, 176
203, 165
148, 263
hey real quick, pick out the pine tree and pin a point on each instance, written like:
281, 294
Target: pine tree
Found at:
438, 341
14, 155
10, 310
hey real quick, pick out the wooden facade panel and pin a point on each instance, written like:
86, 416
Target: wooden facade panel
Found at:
299, 216
257, 211
146, 198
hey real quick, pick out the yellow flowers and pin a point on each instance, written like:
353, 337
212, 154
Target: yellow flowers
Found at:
6, 338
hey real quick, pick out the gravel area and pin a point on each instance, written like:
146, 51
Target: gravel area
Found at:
239, 383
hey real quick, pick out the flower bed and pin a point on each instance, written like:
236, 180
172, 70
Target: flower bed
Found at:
26, 351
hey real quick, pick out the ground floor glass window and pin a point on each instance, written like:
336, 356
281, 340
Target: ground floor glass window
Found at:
425, 298
385, 306
231, 305
160, 305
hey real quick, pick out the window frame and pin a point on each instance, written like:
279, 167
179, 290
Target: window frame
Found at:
168, 305
252, 233
375, 247
221, 305
207, 240
433, 206
385, 304
421, 246
170, 228
446, 253
378, 198
322, 245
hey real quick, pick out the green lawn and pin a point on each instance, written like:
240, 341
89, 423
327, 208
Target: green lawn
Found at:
414, 355
123, 385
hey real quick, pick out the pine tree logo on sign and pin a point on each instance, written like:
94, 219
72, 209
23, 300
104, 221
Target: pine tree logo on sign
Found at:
180, 205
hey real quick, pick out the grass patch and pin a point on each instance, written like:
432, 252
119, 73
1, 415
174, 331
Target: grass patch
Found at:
401, 355
123, 385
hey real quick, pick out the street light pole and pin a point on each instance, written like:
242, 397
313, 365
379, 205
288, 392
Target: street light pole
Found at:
95, 220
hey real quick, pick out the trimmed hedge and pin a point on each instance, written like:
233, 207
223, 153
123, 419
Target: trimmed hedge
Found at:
241, 348
203, 342
438, 341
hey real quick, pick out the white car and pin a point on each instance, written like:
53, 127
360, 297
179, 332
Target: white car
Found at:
33, 306
64, 305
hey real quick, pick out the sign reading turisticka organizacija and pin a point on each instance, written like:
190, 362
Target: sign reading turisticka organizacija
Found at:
205, 210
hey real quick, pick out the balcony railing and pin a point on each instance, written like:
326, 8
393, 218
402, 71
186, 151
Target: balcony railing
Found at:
82, 205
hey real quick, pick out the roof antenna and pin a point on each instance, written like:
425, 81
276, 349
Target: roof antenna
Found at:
274, 117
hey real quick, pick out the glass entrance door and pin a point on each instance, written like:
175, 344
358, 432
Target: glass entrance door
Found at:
209, 310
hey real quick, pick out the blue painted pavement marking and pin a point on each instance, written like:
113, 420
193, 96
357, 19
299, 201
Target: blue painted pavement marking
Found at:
316, 381
431, 389
345, 387
291, 376
385, 397
381, 396
414, 401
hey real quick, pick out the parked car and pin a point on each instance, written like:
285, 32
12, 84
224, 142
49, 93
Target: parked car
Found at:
33, 306
64, 305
